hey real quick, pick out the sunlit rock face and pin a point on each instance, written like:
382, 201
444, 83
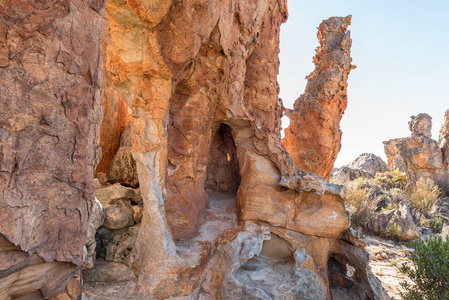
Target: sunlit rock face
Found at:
419, 155
313, 138
192, 118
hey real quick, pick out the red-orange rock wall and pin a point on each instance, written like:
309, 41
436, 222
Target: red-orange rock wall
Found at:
50, 99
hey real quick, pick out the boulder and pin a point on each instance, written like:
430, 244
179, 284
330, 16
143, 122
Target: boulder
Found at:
138, 213
114, 192
120, 247
107, 271
395, 223
118, 214
421, 125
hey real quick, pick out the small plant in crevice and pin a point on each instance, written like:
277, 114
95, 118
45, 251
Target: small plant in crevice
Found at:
101, 248
429, 270
394, 230
437, 224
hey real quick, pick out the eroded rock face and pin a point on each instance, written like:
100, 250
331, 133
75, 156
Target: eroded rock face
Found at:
420, 155
198, 80
50, 95
314, 135
395, 161
421, 125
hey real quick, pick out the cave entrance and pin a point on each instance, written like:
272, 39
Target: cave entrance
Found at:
223, 172
341, 279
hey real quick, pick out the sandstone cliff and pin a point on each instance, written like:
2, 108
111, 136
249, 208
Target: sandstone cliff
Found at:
192, 118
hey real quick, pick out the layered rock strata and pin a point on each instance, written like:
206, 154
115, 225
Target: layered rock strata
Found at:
419, 155
313, 138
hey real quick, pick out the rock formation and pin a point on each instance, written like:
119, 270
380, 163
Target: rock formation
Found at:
50, 95
443, 142
191, 104
419, 155
314, 135
366, 165
396, 223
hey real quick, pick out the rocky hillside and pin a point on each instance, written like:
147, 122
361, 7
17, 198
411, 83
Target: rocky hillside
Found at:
173, 106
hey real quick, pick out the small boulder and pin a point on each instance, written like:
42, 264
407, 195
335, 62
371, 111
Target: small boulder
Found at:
120, 247
119, 214
114, 192
106, 271
137, 213
97, 184
395, 223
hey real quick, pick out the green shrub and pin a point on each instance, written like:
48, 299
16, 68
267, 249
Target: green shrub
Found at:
394, 230
423, 196
437, 224
101, 248
394, 179
429, 270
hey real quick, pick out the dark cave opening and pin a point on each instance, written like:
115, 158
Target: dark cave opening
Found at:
341, 278
223, 172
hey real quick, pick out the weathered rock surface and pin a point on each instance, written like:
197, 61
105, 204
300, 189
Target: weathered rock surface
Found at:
123, 167
249, 261
120, 247
419, 155
383, 223
366, 165
50, 95
109, 280
395, 161
23, 274
118, 214
114, 192
314, 135
96, 219
421, 125
197, 81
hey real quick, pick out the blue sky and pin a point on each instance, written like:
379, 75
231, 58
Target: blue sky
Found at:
401, 49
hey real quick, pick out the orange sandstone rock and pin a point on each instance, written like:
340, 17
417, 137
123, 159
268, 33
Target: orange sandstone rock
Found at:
419, 155
314, 135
